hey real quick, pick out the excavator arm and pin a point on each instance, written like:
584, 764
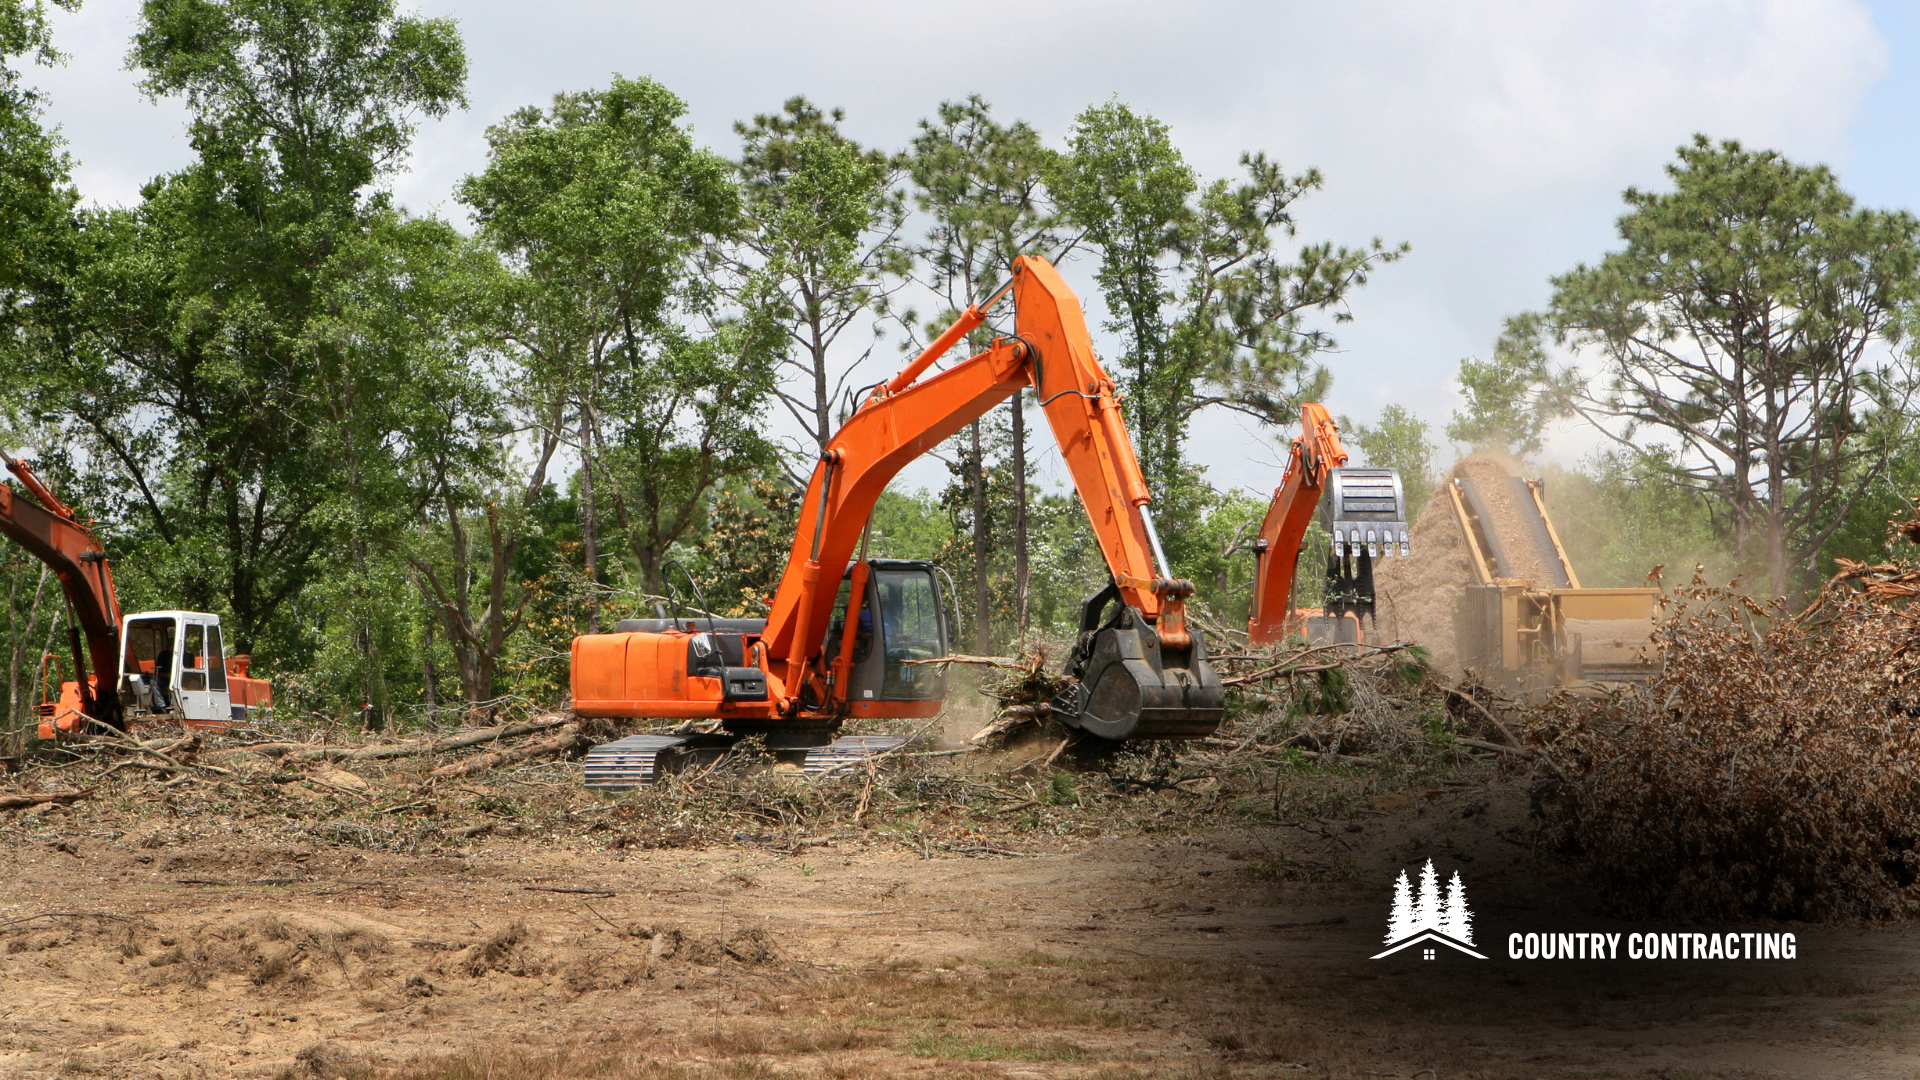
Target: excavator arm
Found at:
1364, 510
1317, 450
1159, 682
52, 533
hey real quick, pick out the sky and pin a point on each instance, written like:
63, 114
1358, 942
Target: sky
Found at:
1493, 136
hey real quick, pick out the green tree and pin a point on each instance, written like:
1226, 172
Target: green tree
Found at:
599, 207
202, 342
1400, 440
980, 181
1513, 396
1620, 515
1752, 320
606, 214
1208, 310
37, 197
37, 208
821, 250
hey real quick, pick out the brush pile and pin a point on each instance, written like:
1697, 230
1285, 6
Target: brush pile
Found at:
1772, 770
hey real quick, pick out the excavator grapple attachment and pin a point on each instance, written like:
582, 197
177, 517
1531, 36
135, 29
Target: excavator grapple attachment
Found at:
1129, 685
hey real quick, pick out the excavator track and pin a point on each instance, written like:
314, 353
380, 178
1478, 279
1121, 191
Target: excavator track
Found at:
637, 761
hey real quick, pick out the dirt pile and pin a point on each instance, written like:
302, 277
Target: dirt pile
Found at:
1417, 596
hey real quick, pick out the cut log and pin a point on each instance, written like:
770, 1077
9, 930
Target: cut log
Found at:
568, 738
21, 802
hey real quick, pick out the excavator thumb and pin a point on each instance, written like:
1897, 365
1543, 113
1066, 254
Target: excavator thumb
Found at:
1350, 584
1129, 685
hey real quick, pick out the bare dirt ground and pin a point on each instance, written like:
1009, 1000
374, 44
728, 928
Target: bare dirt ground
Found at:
162, 935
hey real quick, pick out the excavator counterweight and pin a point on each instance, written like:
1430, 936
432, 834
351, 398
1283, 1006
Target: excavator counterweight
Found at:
843, 630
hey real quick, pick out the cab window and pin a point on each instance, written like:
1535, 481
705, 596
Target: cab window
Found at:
216, 660
863, 637
910, 623
150, 648
193, 658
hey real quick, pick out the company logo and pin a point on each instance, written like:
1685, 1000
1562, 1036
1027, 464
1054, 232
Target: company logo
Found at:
1428, 919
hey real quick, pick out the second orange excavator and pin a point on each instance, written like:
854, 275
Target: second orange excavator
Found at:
1365, 514
849, 636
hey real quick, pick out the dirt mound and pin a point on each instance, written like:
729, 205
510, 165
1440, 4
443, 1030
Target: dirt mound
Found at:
1417, 596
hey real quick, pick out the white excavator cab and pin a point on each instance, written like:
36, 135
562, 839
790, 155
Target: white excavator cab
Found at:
172, 664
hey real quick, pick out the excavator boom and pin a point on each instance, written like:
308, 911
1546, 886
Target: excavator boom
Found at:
50, 532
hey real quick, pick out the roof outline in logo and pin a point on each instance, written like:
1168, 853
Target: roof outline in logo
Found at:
1426, 935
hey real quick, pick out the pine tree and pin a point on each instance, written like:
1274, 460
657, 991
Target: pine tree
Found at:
1426, 910
1457, 921
1401, 923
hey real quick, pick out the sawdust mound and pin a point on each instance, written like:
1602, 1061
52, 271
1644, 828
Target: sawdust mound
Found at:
1419, 597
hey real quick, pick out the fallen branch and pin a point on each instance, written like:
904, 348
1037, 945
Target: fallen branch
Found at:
568, 738
21, 802
310, 752
1008, 662
1484, 745
474, 738
1291, 665
1009, 718
1338, 758
1505, 733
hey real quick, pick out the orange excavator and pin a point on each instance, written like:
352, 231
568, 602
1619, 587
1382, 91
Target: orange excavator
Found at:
849, 636
1365, 514
147, 667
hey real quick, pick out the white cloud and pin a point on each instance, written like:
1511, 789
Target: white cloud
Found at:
1494, 135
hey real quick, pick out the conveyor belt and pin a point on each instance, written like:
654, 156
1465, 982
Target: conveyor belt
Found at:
1538, 536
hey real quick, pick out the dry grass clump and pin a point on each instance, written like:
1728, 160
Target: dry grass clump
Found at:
1771, 770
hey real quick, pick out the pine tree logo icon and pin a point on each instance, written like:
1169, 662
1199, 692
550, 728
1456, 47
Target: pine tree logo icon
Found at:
1428, 917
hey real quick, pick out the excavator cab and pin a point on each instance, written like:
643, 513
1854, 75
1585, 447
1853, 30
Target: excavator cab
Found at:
173, 666
172, 663
900, 620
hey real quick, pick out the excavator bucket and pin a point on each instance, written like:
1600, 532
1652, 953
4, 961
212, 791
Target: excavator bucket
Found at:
1128, 685
1365, 514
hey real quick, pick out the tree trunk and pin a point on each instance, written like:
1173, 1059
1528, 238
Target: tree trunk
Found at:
429, 692
589, 542
15, 692
1020, 576
977, 467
